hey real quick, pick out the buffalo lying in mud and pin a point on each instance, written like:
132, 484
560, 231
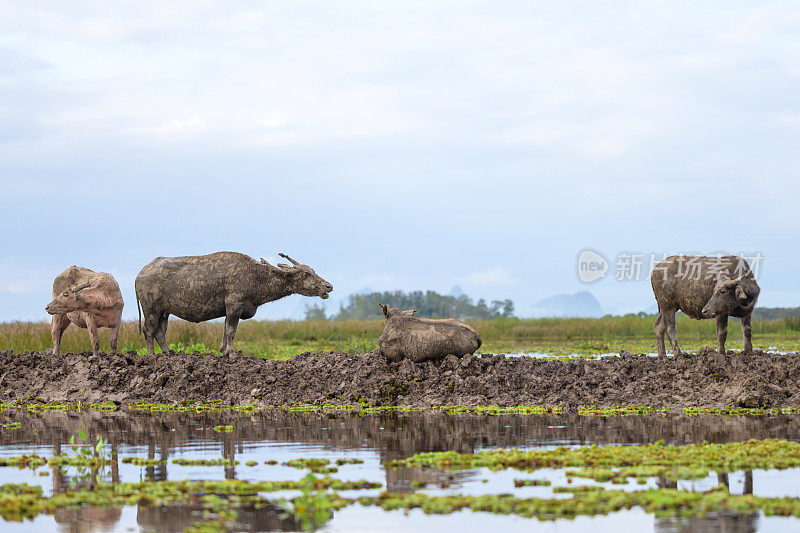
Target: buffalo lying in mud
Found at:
88, 299
703, 287
424, 339
204, 287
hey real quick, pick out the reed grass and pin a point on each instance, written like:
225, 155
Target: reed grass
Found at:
283, 338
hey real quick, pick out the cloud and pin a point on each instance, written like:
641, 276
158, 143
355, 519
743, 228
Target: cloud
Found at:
397, 138
495, 275
186, 125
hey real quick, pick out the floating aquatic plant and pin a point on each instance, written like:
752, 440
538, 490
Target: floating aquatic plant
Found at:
317, 465
531, 483
204, 462
141, 461
658, 457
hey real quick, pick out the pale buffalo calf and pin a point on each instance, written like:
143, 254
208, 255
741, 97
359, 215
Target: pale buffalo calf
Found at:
88, 299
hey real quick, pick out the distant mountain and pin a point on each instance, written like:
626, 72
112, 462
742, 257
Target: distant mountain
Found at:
580, 304
456, 292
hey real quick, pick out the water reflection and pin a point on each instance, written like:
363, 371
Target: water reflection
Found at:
393, 435
725, 523
170, 519
87, 519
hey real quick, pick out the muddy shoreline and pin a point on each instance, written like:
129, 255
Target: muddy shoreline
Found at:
703, 379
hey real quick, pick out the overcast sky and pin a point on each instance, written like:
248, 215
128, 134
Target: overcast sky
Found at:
408, 145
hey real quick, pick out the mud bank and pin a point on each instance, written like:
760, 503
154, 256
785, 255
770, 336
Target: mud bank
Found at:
705, 379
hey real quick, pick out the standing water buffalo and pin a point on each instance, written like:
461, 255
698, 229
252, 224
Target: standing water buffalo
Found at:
203, 287
703, 287
424, 339
88, 299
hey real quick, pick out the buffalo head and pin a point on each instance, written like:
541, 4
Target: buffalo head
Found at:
734, 297
302, 278
68, 300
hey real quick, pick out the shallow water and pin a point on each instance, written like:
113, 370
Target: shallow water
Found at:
281, 436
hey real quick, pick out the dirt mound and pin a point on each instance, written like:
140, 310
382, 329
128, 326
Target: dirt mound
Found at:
707, 379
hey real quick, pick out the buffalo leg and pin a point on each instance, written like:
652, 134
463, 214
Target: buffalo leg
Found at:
669, 318
161, 332
660, 328
57, 327
115, 333
231, 323
722, 332
149, 331
93, 336
747, 334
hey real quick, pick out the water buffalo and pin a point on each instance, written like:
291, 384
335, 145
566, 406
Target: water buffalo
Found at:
204, 287
424, 339
88, 299
703, 287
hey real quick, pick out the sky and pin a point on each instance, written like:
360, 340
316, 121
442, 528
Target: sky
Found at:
404, 145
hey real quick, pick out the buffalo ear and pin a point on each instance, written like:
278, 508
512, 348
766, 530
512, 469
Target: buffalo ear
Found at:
385, 309
740, 294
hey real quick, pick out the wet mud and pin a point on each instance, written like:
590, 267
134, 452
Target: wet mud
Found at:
707, 378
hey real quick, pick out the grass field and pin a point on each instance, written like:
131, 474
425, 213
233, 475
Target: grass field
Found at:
557, 336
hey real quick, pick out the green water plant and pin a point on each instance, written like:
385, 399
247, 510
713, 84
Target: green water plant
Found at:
626, 410
84, 453
591, 501
21, 501
141, 461
313, 507
314, 464
353, 461
204, 462
638, 460
531, 483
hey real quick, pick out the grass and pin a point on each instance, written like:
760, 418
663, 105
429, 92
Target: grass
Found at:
284, 338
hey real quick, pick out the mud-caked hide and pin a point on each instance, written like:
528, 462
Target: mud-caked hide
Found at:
424, 339
222, 284
703, 287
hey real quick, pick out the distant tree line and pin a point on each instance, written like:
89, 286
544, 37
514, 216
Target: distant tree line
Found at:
771, 313
759, 313
428, 304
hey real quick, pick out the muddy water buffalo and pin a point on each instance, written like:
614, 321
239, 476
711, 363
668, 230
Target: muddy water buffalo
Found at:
424, 339
703, 287
88, 299
204, 287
